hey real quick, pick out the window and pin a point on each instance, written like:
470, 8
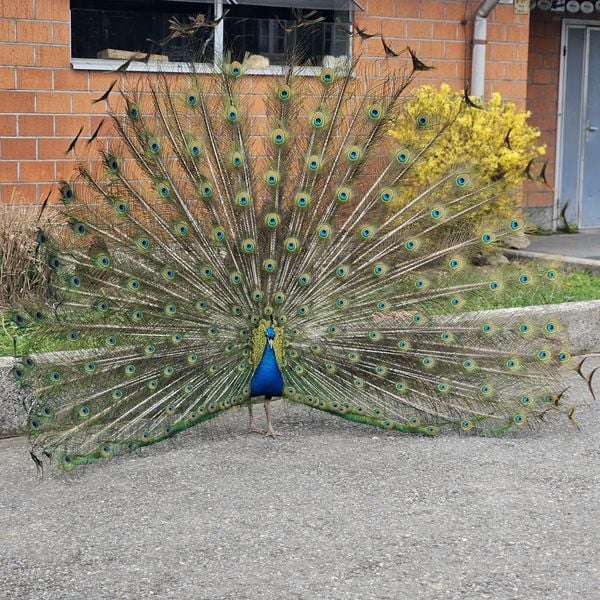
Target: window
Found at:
111, 30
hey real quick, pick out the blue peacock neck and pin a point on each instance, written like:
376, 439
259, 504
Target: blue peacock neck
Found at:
267, 379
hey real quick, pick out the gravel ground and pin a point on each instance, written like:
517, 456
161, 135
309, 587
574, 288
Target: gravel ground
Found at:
332, 510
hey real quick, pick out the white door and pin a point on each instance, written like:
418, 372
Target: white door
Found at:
580, 149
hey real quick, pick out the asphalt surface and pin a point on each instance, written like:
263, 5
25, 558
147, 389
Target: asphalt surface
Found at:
332, 510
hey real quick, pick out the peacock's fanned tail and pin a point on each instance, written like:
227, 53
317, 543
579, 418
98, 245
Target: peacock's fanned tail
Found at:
215, 209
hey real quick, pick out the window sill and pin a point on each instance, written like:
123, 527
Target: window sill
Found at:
105, 64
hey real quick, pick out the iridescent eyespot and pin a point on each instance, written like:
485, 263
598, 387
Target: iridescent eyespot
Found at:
154, 147
272, 220
367, 233
422, 120
269, 265
343, 194
120, 207
235, 69
411, 244
515, 224
164, 190
302, 199
318, 119
284, 92
232, 114
291, 244
402, 156
487, 237
462, 180
551, 327
304, 279
278, 136
242, 199
271, 178
313, 163
248, 245
327, 75
323, 231
235, 277
354, 154
524, 279
375, 111
192, 99
206, 190
342, 271
387, 195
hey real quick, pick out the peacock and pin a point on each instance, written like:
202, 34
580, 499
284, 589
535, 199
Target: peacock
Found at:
233, 246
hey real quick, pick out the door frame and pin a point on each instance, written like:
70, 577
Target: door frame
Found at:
566, 23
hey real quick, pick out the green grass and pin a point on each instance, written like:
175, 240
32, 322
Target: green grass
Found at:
573, 286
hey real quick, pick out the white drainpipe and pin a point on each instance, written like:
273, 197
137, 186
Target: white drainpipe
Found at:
479, 44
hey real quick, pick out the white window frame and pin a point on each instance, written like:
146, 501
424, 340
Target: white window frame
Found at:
108, 64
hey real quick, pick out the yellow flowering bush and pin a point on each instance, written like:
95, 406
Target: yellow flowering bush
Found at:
477, 141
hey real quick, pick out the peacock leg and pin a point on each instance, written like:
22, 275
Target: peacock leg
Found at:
270, 432
252, 428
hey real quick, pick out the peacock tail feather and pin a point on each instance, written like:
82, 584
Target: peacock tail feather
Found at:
216, 212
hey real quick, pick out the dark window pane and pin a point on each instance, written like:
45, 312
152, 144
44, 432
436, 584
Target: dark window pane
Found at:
271, 32
98, 25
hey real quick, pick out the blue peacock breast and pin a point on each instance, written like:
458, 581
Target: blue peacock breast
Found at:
267, 379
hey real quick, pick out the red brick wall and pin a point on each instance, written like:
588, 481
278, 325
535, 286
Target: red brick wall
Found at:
542, 101
44, 102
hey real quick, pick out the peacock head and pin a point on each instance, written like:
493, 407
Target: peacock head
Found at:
270, 335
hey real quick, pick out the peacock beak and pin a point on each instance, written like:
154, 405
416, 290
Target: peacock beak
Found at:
270, 340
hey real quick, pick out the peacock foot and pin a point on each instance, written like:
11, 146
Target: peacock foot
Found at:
252, 428
271, 433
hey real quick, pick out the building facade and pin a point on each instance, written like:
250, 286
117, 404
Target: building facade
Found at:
57, 56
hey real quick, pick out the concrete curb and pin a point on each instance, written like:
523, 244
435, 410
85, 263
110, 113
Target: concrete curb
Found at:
584, 263
581, 321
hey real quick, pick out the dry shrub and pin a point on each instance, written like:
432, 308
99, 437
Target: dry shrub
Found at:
23, 275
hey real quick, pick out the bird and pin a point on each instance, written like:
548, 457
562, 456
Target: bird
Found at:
198, 270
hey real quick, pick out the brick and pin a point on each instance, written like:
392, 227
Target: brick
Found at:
36, 125
433, 9
394, 28
69, 125
8, 31
53, 102
16, 54
14, 149
17, 194
61, 33
19, 9
52, 10
82, 103
447, 31
517, 33
7, 78
11, 102
381, 8
34, 79
68, 79
405, 10
8, 170
65, 169
34, 31
422, 30
36, 171
53, 147
52, 56
496, 32
8, 125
